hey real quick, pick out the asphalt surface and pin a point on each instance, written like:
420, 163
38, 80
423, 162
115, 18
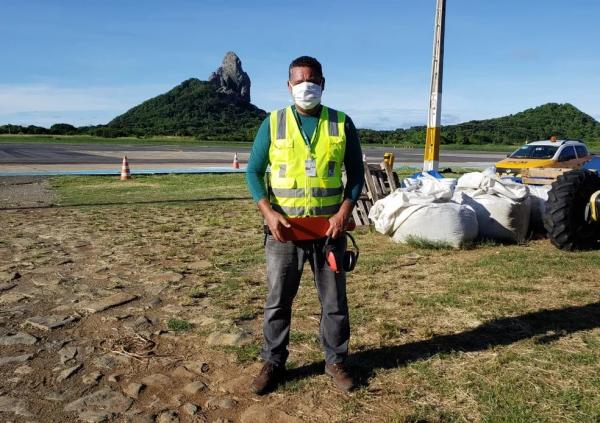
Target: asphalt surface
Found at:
26, 158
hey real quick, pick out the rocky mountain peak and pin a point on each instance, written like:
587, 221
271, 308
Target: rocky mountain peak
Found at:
231, 79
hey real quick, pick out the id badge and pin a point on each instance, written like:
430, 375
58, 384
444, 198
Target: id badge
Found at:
310, 167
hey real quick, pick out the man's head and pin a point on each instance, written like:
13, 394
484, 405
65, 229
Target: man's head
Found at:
306, 82
306, 62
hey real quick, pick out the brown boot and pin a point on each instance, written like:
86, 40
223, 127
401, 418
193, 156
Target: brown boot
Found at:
341, 376
267, 379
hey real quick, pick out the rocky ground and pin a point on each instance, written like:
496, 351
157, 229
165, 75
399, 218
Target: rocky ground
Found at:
151, 312
102, 319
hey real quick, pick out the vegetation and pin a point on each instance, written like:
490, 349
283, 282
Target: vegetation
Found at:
495, 333
427, 244
178, 325
540, 123
100, 190
195, 110
90, 139
179, 141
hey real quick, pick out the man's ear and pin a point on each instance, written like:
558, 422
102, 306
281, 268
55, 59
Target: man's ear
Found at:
323, 85
289, 86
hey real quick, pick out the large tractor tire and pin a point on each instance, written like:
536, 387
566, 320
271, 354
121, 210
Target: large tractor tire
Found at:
567, 217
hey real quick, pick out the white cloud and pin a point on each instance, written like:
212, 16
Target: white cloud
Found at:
40, 104
387, 118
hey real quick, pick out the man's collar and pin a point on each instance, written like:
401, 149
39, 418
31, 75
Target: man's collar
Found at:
316, 115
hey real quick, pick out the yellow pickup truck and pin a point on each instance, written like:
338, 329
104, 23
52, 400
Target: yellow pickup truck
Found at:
552, 153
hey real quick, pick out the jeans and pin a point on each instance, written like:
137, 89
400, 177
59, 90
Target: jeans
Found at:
285, 262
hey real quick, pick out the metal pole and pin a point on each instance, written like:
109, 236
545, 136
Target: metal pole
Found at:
432, 142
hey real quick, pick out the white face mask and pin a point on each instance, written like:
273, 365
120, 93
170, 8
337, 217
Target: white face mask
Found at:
307, 95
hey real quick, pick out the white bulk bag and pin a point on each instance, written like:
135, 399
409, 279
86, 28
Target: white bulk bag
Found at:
539, 197
448, 223
476, 183
503, 207
387, 213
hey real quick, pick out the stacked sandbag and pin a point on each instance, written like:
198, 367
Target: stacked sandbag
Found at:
445, 223
423, 211
385, 212
503, 207
539, 198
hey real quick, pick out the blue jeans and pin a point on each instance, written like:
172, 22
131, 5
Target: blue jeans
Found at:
285, 262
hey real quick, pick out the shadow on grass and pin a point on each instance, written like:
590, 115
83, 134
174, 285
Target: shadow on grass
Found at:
497, 332
126, 203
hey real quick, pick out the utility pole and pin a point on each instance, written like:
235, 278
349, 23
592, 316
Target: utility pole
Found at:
432, 143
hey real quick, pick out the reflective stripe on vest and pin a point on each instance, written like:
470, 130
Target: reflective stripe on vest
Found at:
292, 191
301, 193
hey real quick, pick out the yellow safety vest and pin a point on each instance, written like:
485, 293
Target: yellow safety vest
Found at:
306, 180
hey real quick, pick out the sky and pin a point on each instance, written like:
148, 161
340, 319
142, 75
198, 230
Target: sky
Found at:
85, 61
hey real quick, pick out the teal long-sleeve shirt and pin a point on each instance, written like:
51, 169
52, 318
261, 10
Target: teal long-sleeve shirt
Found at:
259, 158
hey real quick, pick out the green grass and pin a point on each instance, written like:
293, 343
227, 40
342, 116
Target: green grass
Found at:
294, 386
494, 333
300, 337
500, 148
179, 325
98, 190
88, 139
391, 330
197, 292
426, 244
247, 313
191, 141
246, 353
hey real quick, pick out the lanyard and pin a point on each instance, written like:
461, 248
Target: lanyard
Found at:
302, 132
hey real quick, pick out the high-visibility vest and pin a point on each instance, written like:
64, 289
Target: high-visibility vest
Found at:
295, 189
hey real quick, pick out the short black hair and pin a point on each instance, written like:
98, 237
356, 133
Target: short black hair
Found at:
309, 62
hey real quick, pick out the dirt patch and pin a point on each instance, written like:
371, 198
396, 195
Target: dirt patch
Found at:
25, 191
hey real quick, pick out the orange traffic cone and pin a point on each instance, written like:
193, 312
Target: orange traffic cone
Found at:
236, 163
125, 174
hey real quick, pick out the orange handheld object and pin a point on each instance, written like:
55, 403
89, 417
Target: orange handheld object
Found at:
309, 228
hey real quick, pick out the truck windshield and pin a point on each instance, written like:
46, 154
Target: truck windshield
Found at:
534, 152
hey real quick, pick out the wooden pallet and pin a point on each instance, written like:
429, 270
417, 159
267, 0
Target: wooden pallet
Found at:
380, 181
542, 176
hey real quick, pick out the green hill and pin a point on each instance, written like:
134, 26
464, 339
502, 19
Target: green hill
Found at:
561, 120
193, 108
217, 109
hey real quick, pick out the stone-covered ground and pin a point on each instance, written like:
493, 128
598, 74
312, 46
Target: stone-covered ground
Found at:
97, 309
152, 312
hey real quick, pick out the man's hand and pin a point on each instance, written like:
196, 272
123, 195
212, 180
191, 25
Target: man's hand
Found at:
275, 221
339, 221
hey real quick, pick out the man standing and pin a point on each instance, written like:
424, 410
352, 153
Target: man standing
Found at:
306, 146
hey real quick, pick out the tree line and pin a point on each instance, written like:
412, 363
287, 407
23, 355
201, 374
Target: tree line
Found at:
540, 123
194, 109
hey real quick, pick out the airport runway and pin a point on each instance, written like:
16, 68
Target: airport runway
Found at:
40, 159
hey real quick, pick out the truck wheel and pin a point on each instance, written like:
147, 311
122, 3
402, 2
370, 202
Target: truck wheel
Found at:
566, 220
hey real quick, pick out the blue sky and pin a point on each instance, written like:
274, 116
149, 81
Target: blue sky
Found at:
84, 61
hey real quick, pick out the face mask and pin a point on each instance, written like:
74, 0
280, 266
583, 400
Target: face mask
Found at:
307, 95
